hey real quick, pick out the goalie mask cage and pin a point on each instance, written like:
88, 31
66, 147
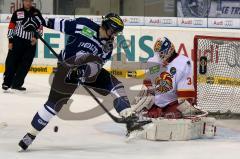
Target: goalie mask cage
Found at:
217, 75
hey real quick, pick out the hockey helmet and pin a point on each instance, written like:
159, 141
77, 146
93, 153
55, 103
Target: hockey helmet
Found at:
114, 22
164, 48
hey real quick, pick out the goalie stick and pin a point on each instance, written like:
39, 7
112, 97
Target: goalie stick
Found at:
114, 118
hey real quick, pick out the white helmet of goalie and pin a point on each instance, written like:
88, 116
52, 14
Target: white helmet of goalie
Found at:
164, 48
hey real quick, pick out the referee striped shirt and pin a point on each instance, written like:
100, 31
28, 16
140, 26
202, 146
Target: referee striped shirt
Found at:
15, 28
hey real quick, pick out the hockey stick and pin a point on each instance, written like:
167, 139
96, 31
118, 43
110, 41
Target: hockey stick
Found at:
114, 118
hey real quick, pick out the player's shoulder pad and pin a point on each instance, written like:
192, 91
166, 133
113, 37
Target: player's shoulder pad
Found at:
87, 22
154, 59
182, 62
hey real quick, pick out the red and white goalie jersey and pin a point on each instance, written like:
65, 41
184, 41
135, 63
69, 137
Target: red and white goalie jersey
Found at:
171, 82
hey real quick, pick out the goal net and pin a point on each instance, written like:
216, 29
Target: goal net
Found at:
217, 74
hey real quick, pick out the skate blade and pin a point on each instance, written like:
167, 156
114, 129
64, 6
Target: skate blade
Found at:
14, 91
138, 133
21, 150
7, 91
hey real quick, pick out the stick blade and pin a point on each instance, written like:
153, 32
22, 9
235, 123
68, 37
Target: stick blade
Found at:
137, 134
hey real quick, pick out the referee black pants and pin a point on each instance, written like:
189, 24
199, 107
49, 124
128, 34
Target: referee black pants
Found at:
18, 62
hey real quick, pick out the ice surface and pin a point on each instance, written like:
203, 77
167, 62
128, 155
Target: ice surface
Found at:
97, 138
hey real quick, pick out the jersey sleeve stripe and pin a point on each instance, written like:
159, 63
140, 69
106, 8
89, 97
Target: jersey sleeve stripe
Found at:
61, 25
185, 93
57, 24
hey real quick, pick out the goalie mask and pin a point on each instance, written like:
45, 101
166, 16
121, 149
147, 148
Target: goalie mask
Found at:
164, 48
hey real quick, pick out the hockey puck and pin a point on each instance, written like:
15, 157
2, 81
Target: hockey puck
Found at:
3, 125
56, 129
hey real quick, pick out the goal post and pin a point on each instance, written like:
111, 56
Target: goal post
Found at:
217, 75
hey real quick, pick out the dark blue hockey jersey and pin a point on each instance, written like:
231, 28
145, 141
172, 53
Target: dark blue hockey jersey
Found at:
83, 38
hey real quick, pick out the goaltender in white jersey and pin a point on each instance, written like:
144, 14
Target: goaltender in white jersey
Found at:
176, 82
168, 97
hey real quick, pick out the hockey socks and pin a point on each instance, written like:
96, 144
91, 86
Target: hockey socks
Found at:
42, 117
39, 122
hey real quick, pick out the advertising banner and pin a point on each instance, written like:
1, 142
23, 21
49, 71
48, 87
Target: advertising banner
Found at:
135, 45
223, 23
161, 21
193, 22
154, 21
209, 8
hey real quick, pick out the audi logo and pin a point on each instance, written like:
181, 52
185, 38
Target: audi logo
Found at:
134, 20
166, 21
228, 23
161, 21
131, 20
197, 22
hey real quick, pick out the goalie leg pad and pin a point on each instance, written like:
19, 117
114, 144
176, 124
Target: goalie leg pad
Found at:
210, 128
181, 129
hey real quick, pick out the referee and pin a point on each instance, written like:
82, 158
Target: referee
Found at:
22, 46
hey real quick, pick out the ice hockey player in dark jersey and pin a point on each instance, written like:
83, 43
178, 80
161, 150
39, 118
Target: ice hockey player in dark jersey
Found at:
89, 46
